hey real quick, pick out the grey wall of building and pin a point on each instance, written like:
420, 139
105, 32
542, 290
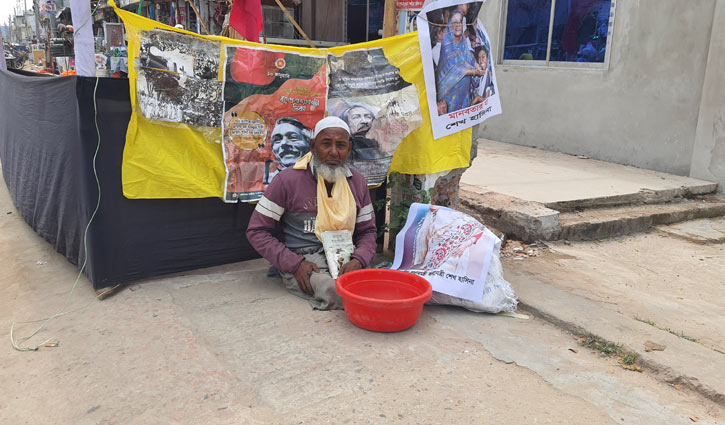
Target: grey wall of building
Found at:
708, 159
642, 111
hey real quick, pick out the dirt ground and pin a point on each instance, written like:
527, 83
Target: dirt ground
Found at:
229, 345
668, 282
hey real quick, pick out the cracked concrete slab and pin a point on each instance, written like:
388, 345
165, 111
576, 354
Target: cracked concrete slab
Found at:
562, 181
628, 397
699, 231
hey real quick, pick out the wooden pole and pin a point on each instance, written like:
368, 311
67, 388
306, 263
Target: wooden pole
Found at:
198, 17
389, 19
284, 9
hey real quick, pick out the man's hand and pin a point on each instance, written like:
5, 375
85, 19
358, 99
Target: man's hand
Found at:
351, 265
303, 273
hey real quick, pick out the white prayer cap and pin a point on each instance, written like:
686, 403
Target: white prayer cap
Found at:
331, 122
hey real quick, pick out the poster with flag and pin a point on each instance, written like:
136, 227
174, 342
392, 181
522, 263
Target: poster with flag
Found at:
175, 146
272, 100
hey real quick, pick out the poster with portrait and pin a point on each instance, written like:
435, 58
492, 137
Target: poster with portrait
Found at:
380, 107
460, 78
450, 249
113, 33
177, 79
47, 7
272, 100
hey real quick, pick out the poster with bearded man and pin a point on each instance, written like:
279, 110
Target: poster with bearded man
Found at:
379, 106
272, 100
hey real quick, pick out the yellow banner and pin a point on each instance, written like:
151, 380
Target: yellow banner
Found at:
184, 159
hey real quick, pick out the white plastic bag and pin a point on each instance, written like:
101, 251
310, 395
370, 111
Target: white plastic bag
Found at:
498, 295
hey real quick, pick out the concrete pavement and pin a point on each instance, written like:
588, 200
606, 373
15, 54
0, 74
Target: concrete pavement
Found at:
629, 290
664, 279
229, 345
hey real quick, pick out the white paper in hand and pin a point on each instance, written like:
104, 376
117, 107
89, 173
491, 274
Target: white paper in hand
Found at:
338, 249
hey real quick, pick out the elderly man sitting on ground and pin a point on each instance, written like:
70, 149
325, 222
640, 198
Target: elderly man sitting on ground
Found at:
319, 179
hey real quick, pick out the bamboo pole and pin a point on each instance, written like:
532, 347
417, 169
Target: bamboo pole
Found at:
389, 19
284, 9
198, 17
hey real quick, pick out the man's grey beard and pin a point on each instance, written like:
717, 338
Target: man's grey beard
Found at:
329, 174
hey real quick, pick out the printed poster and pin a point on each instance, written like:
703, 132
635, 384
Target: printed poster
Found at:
170, 150
405, 21
177, 79
379, 106
47, 7
272, 101
450, 249
406, 12
460, 78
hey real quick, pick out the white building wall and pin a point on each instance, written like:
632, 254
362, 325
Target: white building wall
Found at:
708, 159
642, 111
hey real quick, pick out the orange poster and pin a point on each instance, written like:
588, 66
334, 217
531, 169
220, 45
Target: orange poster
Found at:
272, 100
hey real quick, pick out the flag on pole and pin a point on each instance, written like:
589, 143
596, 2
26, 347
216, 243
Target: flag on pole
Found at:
246, 19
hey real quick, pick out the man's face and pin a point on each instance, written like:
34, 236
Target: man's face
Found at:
288, 144
359, 119
457, 24
332, 146
483, 59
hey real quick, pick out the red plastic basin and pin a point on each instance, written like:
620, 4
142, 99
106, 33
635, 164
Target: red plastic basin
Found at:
383, 300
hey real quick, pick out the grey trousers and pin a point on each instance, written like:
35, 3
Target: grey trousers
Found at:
323, 285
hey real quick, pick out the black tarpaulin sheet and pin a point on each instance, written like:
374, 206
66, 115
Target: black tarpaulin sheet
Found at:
47, 141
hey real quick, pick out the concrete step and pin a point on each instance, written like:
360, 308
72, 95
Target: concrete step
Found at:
532, 194
643, 196
525, 220
531, 221
600, 223
705, 231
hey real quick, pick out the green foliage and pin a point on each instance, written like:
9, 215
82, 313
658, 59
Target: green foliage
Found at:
629, 358
680, 334
626, 359
605, 347
408, 195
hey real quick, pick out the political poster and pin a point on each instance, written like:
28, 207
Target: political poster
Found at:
405, 21
185, 87
177, 79
381, 108
272, 100
460, 78
47, 7
450, 249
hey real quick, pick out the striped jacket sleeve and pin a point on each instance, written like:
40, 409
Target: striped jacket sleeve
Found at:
265, 219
